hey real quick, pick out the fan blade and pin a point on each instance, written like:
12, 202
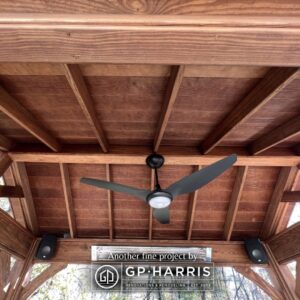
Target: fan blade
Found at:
116, 187
200, 178
162, 215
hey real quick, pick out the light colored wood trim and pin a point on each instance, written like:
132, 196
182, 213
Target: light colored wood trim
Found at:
173, 156
274, 81
38, 281
85, 101
286, 244
293, 196
110, 203
13, 109
11, 191
27, 202
192, 210
176, 76
65, 177
298, 277
5, 143
14, 238
152, 187
5, 162
260, 282
234, 201
276, 208
288, 292
276, 136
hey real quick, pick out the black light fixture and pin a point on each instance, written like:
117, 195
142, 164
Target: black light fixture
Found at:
47, 247
256, 251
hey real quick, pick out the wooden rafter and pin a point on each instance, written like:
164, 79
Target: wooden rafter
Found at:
13, 109
260, 282
5, 143
276, 136
38, 281
176, 76
110, 204
274, 81
291, 196
27, 202
276, 208
13, 277
5, 162
152, 186
4, 267
173, 156
11, 191
234, 201
298, 277
65, 177
85, 101
192, 210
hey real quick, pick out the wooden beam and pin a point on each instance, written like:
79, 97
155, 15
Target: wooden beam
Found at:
13, 109
234, 201
260, 282
110, 204
276, 207
11, 191
286, 244
5, 162
291, 197
192, 209
85, 101
79, 250
4, 271
38, 281
274, 81
251, 40
14, 238
152, 187
5, 143
65, 177
173, 156
13, 277
276, 136
289, 294
298, 277
27, 202
176, 76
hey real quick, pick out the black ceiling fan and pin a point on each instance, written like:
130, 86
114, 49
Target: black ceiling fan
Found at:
160, 199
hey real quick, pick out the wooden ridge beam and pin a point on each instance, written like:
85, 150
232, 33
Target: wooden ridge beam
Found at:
274, 81
234, 201
276, 136
11, 191
14, 238
5, 162
65, 177
260, 282
85, 101
276, 208
13, 109
5, 143
291, 197
110, 203
176, 76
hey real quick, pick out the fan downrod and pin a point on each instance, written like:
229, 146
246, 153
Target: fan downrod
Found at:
155, 161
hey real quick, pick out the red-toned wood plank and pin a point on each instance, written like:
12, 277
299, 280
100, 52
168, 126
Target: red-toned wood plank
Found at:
291, 196
5, 143
5, 162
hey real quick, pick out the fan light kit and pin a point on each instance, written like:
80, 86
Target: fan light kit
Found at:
160, 199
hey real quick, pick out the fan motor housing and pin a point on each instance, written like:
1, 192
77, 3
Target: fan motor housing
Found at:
155, 161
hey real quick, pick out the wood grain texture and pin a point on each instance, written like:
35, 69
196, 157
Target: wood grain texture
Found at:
13, 237
68, 199
11, 191
276, 207
110, 203
12, 108
5, 268
274, 81
298, 277
5, 143
85, 101
276, 136
291, 196
5, 162
234, 202
260, 282
175, 80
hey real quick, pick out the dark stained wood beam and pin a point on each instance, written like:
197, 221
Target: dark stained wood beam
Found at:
276, 208
38, 281
11, 191
27, 202
110, 203
85, 101
291, 197
260, 282
173, 156
5, 143
5, 162
14, 238
65, 177
276, 136
251, 40
176, 76
286, 244
274, 81
223, 253
13, 109
234, 201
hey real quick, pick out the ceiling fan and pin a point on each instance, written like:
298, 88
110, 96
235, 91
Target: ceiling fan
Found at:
160, 199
